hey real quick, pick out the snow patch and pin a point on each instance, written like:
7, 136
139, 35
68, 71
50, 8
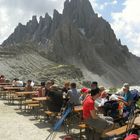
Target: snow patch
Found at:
82, 30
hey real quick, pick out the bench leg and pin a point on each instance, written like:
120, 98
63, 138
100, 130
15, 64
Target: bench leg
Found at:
80, 134
89, 134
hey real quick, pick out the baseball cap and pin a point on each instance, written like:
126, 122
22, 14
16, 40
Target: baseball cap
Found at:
85, 90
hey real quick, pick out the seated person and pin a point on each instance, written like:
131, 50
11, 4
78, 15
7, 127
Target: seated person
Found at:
94, 85
84, 92
2, 79
74, 95
98, 123
41, 90
104, 96
126, 99
65, 92
55, 100
48, 85
66, 87
17, 83
28, 86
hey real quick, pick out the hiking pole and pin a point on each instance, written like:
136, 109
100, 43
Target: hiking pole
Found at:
49, 135
59, 122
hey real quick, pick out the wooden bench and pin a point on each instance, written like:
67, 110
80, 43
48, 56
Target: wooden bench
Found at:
35, 109
33, 105
82, 126
116, 132
30, 102
122, 130
27, 102
49, 113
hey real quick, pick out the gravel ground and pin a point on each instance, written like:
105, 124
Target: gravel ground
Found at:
15, 125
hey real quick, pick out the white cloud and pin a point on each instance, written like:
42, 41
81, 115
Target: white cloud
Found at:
127, 25
14, 11
98, 6
114, 2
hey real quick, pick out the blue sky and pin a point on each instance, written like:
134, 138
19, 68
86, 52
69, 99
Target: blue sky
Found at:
123, 15
106, 7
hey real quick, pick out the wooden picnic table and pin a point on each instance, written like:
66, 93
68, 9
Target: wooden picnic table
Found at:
1, 86
5, 84
12, 88
39, 99
22, 93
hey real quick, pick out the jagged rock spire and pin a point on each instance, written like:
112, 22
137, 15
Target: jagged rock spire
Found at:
32, 25
74, 7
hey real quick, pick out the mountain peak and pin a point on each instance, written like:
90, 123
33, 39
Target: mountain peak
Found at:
77, 6
79, 13
34, 18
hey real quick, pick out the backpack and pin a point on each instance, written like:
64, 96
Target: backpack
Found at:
135, 95
111, 109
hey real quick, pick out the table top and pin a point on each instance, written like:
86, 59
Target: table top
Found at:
78, 108
1, 86
25, 92
5, 84
12, 88
39, 98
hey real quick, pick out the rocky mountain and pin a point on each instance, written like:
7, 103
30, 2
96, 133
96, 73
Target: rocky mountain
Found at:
79, 37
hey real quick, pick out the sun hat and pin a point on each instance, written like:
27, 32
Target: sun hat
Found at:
126, 85
103, 94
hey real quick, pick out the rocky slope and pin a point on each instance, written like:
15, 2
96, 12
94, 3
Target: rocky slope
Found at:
28, 64
79, 37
